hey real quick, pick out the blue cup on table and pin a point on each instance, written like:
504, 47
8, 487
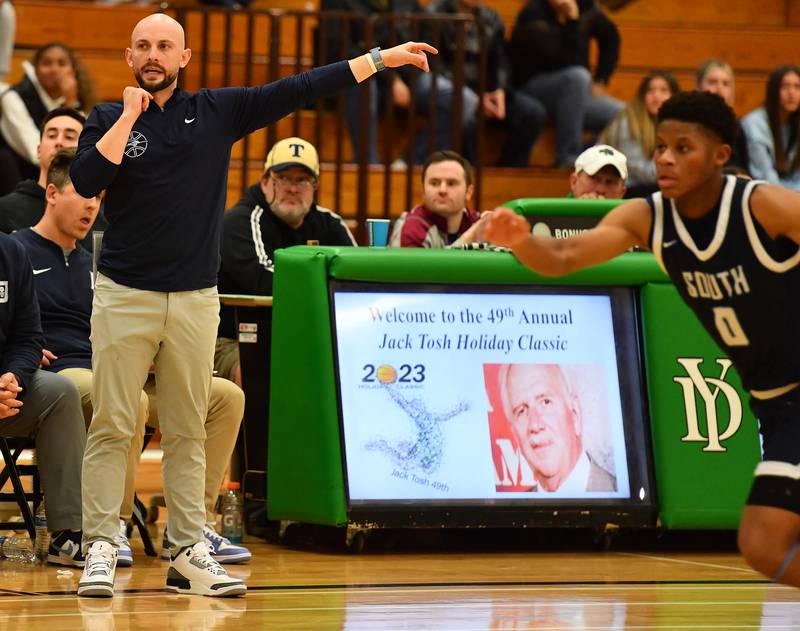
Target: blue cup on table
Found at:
378, 232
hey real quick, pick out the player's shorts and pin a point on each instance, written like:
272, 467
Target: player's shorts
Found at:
777, 476
226, 357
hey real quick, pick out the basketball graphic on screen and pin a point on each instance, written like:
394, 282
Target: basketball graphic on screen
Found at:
386, 374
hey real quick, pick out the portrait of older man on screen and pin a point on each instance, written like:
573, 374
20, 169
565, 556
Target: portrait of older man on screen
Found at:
547, 420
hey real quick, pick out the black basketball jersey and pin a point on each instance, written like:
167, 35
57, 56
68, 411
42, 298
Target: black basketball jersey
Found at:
743, 285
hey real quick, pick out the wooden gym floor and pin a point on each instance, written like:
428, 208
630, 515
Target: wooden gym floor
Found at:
437, 581
380, 589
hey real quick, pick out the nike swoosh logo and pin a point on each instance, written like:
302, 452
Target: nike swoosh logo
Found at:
669, 244
189, 120
41, 271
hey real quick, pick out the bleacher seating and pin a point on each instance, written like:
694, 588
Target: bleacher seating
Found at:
677, 35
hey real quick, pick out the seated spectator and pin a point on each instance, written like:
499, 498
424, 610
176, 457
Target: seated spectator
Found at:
443, 218
773, 131
386, 84
633, 130
277, 212
600, 173
549, 55
522, 116
716, 76
24, 206
55, 78
63, 280
38, 404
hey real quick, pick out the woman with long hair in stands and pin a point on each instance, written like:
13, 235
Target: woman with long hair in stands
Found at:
633, 130
53, 78
773, 131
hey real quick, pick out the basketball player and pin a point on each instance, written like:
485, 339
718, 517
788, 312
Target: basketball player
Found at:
744, 234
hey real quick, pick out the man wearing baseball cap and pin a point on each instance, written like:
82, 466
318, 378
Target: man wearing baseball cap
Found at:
277, 212
600, 173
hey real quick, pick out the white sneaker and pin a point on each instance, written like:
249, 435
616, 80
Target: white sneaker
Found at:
193, 571
222, 550
124, 552
98, 574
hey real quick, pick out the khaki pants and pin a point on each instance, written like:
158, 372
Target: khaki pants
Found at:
225, 410
226, 358
132, 329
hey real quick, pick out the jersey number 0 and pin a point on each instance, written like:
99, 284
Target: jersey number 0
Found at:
729, 328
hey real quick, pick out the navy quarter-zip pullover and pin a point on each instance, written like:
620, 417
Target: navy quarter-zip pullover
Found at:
20, 328
164, 202
64, 290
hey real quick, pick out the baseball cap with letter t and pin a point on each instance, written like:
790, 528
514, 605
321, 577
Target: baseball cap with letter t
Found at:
292, 152
599, 156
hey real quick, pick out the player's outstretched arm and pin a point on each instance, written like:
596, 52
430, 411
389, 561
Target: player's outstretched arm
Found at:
777, 209
408, 54
624, 227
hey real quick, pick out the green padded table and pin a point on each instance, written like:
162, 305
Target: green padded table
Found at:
704, 438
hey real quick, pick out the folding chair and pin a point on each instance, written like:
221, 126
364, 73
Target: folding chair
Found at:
139, 521
11, 449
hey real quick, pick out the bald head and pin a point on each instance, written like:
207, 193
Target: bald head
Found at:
161, 25
157, 54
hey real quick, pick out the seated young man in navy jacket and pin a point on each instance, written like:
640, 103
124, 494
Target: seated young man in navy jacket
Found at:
40, 405
64, 281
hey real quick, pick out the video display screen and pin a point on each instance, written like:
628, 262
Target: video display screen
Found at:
500, 395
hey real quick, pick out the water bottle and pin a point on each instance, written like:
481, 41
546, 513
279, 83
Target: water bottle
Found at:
42, 542
232, 513
16, 549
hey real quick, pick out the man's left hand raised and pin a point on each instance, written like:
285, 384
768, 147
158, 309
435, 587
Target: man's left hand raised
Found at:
408, 54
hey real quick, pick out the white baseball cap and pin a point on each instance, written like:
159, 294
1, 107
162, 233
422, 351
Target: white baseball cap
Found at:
599, 156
